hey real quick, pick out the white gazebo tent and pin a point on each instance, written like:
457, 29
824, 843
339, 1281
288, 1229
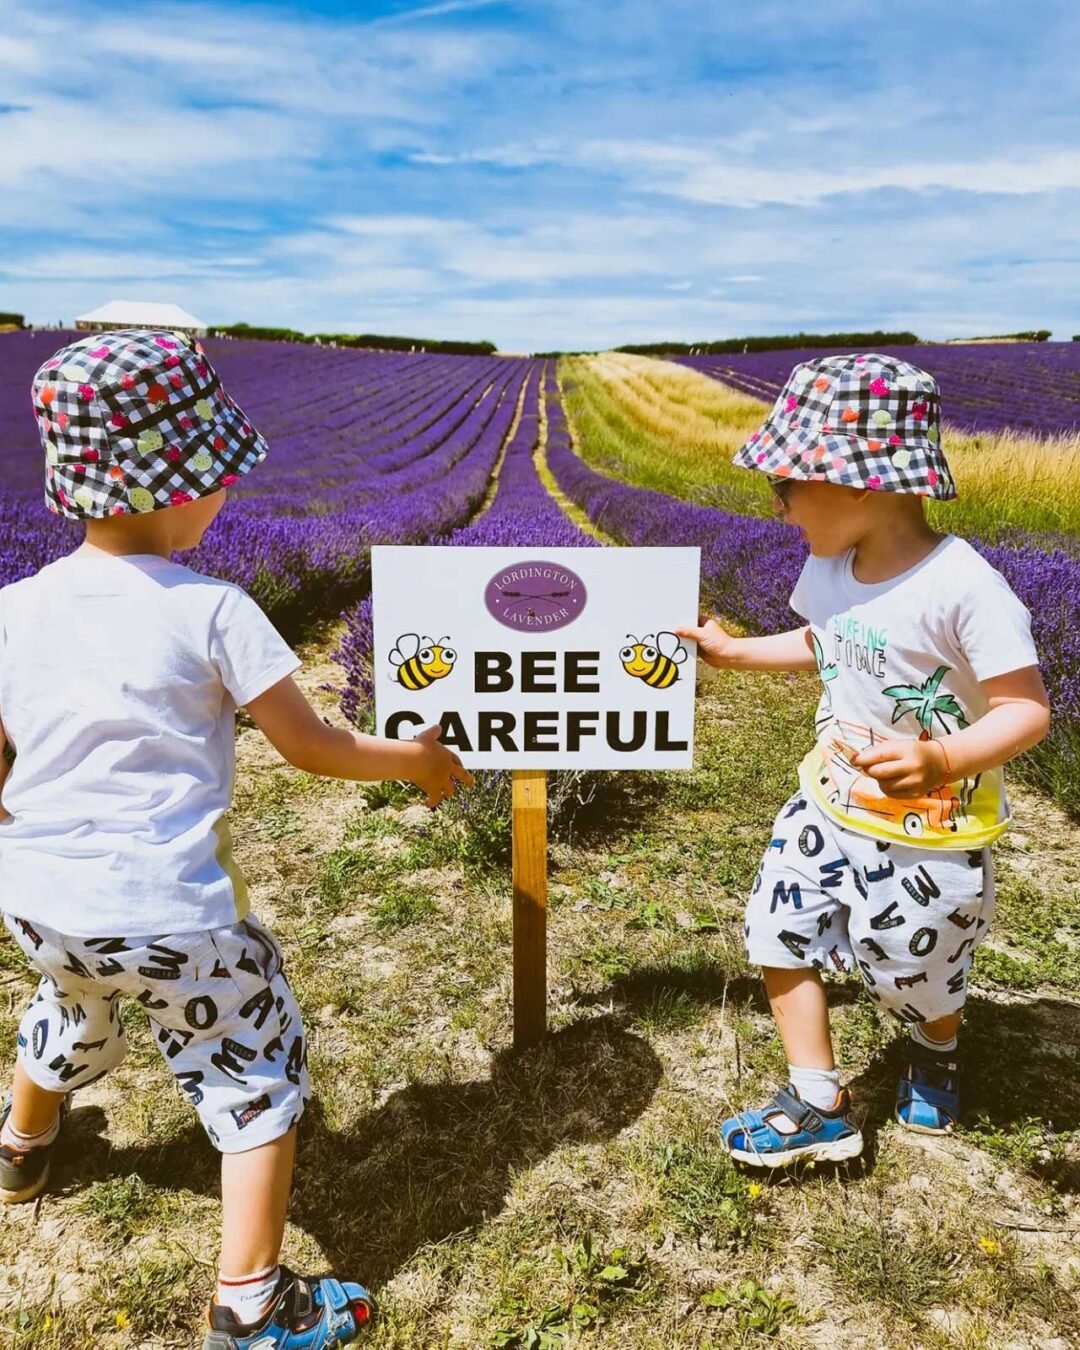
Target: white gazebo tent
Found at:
140, 314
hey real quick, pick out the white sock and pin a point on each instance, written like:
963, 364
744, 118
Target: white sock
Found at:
23, 1143
921, 1038
816, 1087
249, 1296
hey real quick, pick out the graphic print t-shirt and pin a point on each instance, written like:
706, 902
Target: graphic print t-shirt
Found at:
904, 658
119, 682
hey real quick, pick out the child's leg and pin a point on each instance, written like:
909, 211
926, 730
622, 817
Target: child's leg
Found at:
926, 913
34, 1110
796, 924
798, 1002
229, 1028
69, 1036
254, 1199
27, 1138
941, 1029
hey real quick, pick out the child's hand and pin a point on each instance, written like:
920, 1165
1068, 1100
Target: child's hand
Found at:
439, 771
904, 768
712, 641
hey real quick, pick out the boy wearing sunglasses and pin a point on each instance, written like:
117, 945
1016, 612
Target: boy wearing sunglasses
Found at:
880, 862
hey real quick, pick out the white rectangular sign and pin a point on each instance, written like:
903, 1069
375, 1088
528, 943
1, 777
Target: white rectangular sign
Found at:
559, 658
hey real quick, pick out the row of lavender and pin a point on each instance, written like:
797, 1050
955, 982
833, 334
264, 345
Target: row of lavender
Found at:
1022, 386
365, 448
521, 514
749, 567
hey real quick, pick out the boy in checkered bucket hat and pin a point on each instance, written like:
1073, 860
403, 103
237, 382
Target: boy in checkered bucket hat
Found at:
880, 862
120, 675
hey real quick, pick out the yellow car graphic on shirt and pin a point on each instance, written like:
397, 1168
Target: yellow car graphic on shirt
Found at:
848, 789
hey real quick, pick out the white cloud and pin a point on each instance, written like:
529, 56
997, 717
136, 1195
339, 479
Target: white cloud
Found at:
95, 265
465, 253
19, 55
435, 11
696, 173
193, 90
106, 153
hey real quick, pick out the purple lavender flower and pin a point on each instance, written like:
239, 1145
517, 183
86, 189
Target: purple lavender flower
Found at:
985, 386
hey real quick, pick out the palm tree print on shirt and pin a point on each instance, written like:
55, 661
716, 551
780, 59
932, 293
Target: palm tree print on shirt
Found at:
828, 672
925, 704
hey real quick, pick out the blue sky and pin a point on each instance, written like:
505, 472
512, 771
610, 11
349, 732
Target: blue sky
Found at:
546, 173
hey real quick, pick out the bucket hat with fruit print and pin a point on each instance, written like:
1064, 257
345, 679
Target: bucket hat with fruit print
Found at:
133, 421
864, 421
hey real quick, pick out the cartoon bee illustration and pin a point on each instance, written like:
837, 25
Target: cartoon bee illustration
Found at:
656, 660
419, 662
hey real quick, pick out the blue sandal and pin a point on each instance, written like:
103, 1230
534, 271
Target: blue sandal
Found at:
928, 1093
306, 1315
23, 1176
823, 1136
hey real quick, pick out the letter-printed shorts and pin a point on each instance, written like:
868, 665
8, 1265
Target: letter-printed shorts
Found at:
907, 919
219, 1006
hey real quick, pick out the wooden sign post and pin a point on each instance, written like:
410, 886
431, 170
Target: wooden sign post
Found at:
529, 824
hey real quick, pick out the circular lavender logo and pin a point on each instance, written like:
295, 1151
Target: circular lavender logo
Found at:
535, 597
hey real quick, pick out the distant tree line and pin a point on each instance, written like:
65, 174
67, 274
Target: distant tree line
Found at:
786, 341
12, 320
779, 342
1035, 335
371, 340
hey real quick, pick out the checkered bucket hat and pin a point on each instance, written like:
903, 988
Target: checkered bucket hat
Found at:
133, 421
866, 421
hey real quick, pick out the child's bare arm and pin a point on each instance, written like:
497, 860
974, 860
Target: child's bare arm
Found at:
777, 651
298, 733
3, 769
1019, 717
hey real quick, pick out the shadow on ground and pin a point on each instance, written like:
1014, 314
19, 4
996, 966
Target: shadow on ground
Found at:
1020, 1058
434, 1160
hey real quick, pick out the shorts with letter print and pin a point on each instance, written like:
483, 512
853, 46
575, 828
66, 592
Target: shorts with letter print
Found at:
906, 919
219, 1006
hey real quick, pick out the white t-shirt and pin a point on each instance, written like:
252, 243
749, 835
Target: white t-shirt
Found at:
119, 682
904, 658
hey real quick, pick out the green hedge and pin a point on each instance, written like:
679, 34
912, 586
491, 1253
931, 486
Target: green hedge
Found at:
779, 342
375, 341
1034, 335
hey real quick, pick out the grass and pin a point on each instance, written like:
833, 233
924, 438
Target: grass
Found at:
577, 1195
754, 1311
662, 426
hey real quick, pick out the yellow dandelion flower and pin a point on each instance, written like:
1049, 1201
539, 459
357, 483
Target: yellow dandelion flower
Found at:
122, 1319
990, 1246
754, 1190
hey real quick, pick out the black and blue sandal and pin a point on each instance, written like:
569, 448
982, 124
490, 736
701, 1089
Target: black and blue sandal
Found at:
24, 1174
307, 1314
928, 1093
819, 1136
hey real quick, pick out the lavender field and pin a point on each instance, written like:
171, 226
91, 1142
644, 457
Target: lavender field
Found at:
577, 1195
365, 448
372, 447
1023, 386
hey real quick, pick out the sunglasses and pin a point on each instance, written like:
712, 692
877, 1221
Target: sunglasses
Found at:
781, 489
